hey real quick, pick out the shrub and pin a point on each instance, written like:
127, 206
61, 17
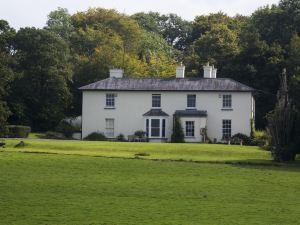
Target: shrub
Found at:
261, 138
17, 131
140, 133
178, 135
66, 128
235, 139
120, 137
53, 135
95, 136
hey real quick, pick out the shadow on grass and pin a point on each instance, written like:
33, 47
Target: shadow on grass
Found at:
249, 163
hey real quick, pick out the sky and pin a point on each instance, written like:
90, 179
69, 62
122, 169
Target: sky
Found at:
29, 13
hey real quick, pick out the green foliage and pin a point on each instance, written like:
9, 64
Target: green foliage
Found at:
17, 131
66, 129
140, 133
262, 138
95, 136
121, 137
59, 22
171, 27
246, 140
217, 45
177, 135
6, 72
281, 124
40, 95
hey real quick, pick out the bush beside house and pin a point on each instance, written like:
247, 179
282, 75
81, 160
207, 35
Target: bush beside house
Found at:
177, 135
95, 136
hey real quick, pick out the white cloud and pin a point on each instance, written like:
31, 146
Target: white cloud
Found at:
34, 12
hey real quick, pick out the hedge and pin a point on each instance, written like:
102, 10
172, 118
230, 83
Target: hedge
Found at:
17, 131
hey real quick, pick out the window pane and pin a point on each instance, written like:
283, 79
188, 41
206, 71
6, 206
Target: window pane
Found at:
110, 100
147, 127
189, 129
226, 129
156, 100
110, 124
155, 128
163, 128
191, 101
227, 101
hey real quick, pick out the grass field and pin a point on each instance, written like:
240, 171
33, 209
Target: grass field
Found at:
77, 186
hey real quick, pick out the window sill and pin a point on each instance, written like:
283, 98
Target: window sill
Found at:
157, 138
190, 137
191, 108
227, 109
109, 108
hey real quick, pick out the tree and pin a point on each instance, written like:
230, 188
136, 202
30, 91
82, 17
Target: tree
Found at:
41, 95
6, 70
59, 22
104, 39
171, 27
281, 124
177, 135
217, 46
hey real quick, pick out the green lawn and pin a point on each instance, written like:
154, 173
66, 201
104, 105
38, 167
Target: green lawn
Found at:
75, 186
187, 152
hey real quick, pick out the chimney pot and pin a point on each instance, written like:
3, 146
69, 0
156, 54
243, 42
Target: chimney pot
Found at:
207, 71
116, 73
180, 70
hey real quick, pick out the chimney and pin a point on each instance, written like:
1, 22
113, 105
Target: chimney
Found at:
180, 71
209, 71
116, 73
214, 72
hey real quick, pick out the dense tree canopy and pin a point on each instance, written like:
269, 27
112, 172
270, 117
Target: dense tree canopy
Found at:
41, 69
6, 69
40, 94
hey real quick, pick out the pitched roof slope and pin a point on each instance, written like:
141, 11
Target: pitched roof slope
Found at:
168, 84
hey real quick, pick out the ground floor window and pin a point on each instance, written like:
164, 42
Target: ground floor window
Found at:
226, 129
190, 128
156, 128
110, 128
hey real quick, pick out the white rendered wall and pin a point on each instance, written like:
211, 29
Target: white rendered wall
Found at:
198, 123
131, 105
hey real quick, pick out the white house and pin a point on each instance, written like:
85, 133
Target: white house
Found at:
122, 105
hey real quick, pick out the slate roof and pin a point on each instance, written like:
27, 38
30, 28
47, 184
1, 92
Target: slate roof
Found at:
190, 113
155, 112
168, 84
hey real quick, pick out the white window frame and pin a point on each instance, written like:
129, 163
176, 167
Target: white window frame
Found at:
187, 101
226, 129
110, 100
189, 128
227, 101
160, 126
152, 100
110, 127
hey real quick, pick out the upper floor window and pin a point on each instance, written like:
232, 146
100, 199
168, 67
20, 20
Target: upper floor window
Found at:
110, 100
156, 101
191, 101
226, 129
227, 102
189, 128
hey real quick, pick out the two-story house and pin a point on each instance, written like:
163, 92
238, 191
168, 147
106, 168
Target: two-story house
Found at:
122, 105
